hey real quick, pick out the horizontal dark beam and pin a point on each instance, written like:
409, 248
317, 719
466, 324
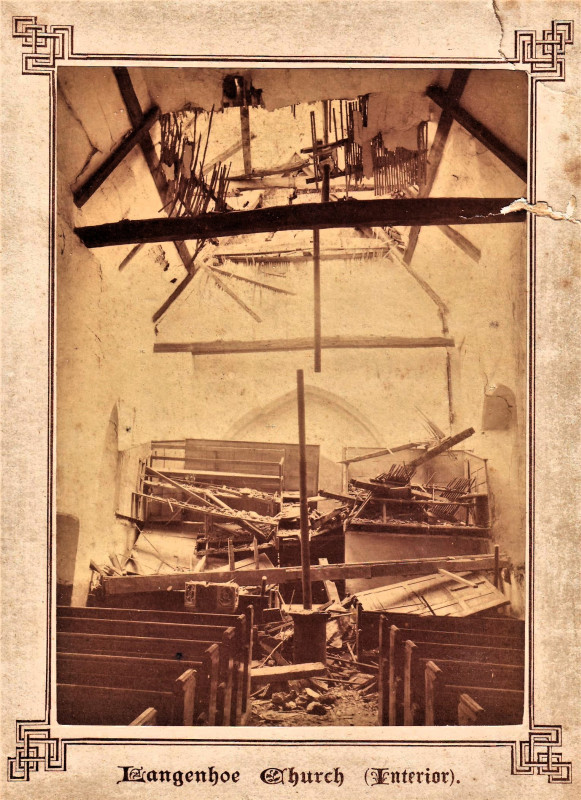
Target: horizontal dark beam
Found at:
512, 160
346, 214
133, 138
305, 343
331, 572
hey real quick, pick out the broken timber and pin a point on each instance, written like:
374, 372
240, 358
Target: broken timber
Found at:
132, 138
135, 114
289, 672
277, 575
454, 91
347, 214
444, 445
386, 452
512, 160
304, 343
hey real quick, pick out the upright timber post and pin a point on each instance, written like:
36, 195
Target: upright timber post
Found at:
325, 195
317, 296
310, 627
245, 130
305, 540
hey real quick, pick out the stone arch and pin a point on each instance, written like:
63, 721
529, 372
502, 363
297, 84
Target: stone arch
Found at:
312, 393
331, 423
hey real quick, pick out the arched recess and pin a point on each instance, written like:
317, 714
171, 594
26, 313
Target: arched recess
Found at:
331, 422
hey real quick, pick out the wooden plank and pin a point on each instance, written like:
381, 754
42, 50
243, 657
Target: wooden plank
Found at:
289, 166
230, 292
288, 672
348, 214
400, 528
444, 445
180, 288
452, 234
303, 343
131, 140
333, 572
513, 161
385, 452
330, 587
269, 286
147, 717
462, 242
344, 498
493, 626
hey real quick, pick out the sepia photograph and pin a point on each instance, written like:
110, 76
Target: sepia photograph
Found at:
290, 399
291, 396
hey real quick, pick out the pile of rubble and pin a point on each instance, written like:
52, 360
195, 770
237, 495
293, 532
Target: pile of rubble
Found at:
346, 695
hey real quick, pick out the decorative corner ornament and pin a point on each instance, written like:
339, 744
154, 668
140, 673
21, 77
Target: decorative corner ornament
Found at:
545, 56
34, 747
536, 756
44, 45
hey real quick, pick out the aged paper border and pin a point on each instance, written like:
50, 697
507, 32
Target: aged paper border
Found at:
539, 39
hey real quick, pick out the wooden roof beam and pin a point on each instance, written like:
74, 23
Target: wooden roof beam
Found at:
457, 85
513, 161
136, 117
131, 140
303, 343
347, 214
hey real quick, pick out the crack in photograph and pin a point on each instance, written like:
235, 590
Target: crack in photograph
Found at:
291, 396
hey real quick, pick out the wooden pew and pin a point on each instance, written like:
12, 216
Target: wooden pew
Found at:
146, 718
79, 704
147, 674
485, 706
446, 680
455, 637
459, 651
368, 624
242, 623
393, 659
204, 655
165, 630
